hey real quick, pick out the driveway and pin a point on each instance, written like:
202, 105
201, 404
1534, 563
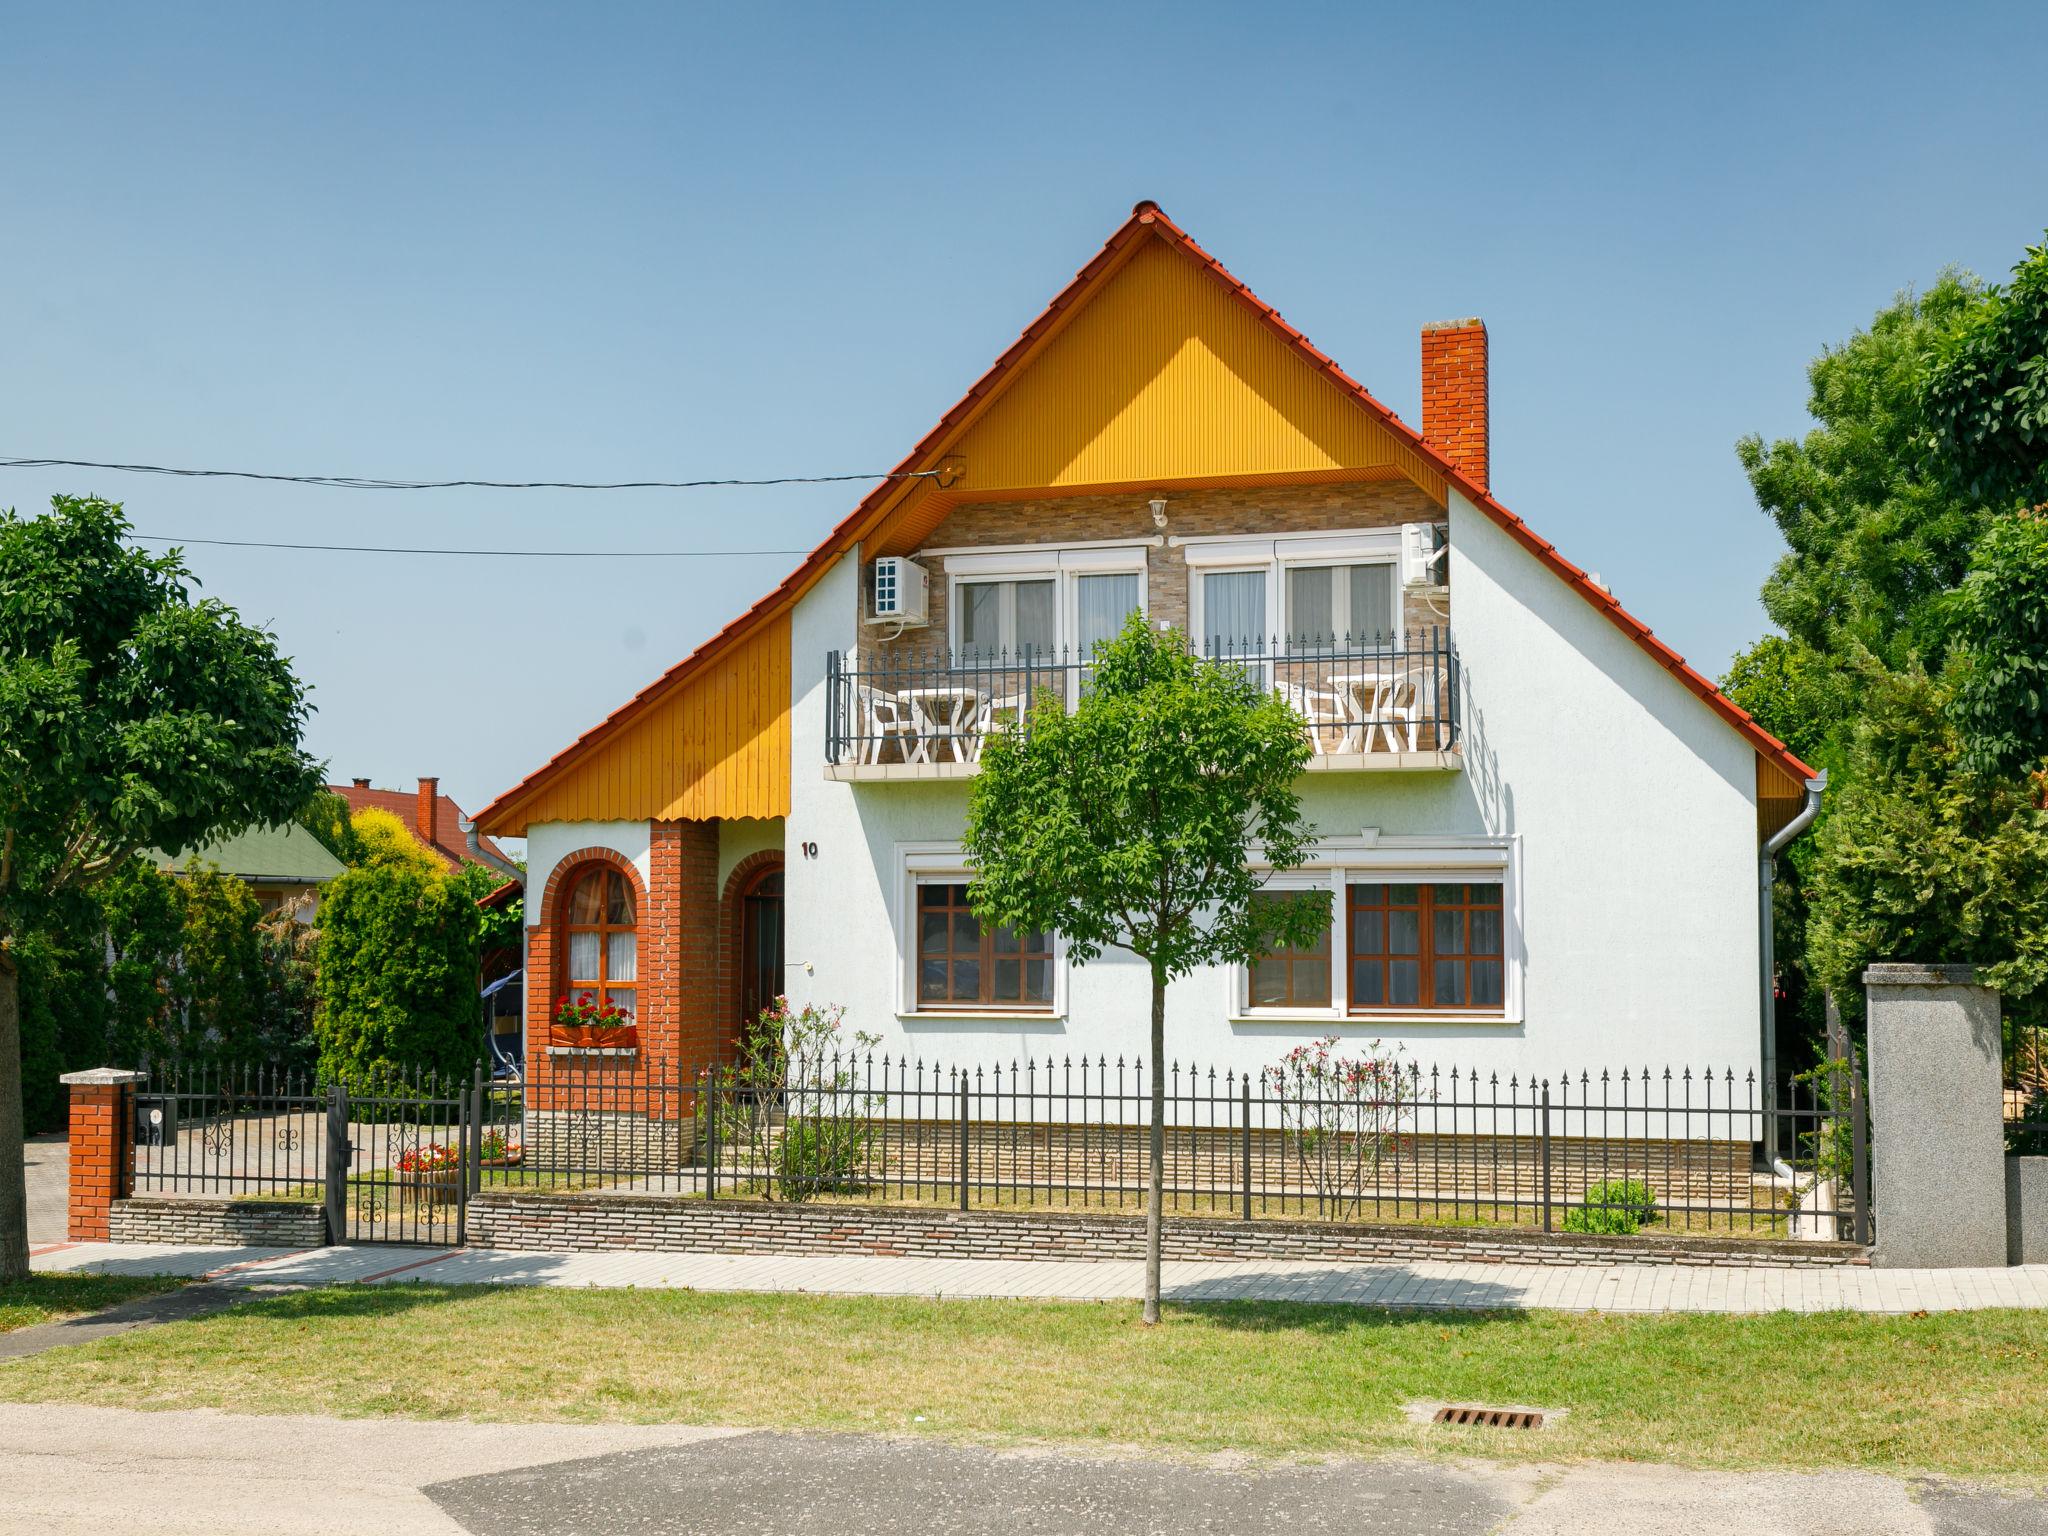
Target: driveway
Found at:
49, 1175
91, 1470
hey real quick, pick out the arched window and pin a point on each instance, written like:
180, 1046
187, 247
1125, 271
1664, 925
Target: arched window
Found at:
604, 944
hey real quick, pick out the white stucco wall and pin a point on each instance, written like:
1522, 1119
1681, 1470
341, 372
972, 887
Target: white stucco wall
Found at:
1629, 805
742, 838
549, 842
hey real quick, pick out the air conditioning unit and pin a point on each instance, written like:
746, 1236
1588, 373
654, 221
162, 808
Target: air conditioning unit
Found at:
901, 592
1426, 554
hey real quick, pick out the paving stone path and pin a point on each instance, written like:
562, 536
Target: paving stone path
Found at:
1422, 1284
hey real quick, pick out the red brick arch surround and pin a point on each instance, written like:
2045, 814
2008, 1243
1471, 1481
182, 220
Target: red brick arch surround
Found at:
676, 910
743, 875
546, 953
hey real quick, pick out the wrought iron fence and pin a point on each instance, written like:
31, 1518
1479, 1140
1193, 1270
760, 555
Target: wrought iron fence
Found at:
1358, 696
391, 1161
1610, 1151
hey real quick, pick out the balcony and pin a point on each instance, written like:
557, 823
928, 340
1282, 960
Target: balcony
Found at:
894, 714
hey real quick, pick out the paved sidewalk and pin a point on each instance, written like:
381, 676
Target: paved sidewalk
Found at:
1424, 1284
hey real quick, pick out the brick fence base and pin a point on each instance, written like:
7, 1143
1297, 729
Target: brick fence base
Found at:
672, 1224
183, 1219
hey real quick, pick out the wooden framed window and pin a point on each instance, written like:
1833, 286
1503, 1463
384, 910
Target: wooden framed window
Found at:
1425, 946
962, 962
1291, 977
601, 939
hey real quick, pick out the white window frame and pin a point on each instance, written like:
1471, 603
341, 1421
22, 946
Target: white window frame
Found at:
931, 863
1064, 564
1277, 554
1421, 858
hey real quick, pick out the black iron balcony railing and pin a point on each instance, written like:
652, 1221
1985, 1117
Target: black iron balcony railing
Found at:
1360, 699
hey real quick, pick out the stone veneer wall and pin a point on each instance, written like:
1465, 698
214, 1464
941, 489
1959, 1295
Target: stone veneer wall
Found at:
1190, 514
671, 1224
259, 1223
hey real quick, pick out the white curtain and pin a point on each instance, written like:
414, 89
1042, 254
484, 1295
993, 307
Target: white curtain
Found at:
1372, 604
1311, 606
1104, 603
583, 956
1010, 616
1234, 611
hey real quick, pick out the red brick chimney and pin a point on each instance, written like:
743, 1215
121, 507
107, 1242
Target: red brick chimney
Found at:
430, 791
360, 783
1454, 394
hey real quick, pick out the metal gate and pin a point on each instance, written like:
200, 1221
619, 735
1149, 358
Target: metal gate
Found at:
403, 1160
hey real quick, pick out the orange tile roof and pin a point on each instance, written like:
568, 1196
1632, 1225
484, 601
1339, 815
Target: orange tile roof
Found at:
1147, 219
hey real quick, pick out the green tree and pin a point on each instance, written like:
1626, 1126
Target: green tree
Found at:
1133, 823
144, 922
326, 816
1793, 692
2000, 623
1922, 859
397, 987
221, 976
131, 716
1986, 397
502, 926
1875, 533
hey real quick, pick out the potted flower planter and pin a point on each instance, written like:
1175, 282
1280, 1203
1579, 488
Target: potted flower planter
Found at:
432, 1173
608, 1036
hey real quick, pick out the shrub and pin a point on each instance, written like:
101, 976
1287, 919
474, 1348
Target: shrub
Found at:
397, 987
383, 841
797, 1060
1616, 1208
1340, 1116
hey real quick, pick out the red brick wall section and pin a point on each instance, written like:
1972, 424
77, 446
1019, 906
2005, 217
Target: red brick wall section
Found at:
545, 957
678, 1014
731, 1025
1455, 398
102, 1149
685, 881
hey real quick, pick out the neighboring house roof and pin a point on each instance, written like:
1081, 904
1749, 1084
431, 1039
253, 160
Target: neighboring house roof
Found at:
1426, 464
286, 855
446, 839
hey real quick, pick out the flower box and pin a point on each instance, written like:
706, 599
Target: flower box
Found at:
592, 1022
612, 1036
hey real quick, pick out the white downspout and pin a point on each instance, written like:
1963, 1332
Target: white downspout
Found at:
1767, 876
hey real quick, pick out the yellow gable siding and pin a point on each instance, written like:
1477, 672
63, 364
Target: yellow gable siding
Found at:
716, 745
1163, 376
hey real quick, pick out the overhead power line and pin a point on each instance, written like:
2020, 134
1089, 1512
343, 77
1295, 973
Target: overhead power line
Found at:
501, 554
376, 483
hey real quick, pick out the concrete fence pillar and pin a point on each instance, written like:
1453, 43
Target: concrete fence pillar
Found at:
102, 1148
1936, 1118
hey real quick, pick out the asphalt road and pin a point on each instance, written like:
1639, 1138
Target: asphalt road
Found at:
92, 1470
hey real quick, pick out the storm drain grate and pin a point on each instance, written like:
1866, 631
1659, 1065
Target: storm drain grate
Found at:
1491, 1418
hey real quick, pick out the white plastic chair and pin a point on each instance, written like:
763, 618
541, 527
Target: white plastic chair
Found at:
1396, 705
1328, 719
989, 715
883, 719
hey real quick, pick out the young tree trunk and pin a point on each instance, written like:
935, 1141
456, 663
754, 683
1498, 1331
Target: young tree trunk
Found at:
1155, 1193
13, 1174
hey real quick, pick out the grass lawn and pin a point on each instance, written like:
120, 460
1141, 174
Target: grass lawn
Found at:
51, 1298
1962, 1393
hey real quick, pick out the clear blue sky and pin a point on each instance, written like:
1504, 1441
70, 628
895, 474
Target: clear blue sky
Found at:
621, 242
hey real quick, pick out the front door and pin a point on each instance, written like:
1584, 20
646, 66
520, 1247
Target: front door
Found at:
760, 957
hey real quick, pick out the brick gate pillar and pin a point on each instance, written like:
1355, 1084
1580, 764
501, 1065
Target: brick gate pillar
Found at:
102, 1148
1937, 1126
